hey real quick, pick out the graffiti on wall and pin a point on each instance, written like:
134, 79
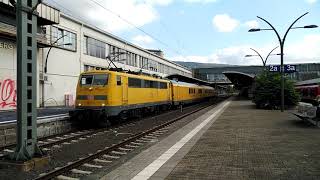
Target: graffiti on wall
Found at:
8, 94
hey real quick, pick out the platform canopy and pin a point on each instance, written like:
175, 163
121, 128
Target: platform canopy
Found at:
239, 79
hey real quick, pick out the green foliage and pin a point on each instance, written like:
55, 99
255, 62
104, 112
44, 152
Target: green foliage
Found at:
267, 91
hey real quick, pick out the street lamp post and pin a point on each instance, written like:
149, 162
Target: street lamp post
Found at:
264, 61
281, 42
52, 45
46, 63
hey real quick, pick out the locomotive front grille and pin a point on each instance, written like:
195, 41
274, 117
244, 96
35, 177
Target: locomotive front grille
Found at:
100, 97
82, 97
91, 97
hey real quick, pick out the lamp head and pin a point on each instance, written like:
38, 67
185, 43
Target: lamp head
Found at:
254, 30
310, 26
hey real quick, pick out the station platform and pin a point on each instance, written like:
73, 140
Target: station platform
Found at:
231, 141
43, 113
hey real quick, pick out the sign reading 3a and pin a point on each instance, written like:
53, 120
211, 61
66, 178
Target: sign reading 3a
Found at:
287, 68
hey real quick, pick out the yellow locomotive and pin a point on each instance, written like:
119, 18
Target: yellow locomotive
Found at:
102, 94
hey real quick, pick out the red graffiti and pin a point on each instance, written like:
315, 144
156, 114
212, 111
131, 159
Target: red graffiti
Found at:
8, 94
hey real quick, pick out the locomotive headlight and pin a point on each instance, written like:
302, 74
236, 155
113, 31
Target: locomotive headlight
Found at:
79, 104
102, 104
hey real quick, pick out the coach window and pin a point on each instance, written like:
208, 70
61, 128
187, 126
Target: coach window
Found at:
134, 83
118, 80
163, 85
146, 84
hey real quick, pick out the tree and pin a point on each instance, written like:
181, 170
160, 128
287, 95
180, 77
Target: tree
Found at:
267, 91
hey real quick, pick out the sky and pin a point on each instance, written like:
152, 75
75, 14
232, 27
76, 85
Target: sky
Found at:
207, 31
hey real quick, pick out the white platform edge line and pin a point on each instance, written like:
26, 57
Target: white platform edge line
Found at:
153, 167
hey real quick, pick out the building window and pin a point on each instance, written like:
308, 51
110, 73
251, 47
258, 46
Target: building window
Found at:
131, 59
144, 63
153, 65
91, 68
95, 48
63, 38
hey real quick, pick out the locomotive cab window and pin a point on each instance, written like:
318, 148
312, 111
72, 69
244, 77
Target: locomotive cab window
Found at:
94, 80
100, 80
86, 80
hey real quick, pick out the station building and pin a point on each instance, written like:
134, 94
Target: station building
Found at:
70, 46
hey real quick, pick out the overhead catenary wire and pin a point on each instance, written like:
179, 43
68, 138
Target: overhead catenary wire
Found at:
70, 13
172, 33
138, 28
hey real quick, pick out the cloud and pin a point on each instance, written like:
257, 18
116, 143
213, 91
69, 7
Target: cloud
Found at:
298, 52
200, 1
225, 23
306, 50
110, 18
252, 24
311, 1
143, 40
158, 2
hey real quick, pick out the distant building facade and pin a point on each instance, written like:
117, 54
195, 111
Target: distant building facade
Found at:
75, 47
305, 71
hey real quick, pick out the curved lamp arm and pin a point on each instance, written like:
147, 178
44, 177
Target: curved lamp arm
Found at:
265, 61
258, 55
46, 62
274, 29
285, 35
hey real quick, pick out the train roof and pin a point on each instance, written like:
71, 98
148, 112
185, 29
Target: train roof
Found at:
193, 83
180, 83
127, 73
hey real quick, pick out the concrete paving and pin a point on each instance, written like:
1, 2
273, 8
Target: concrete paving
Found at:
246, 143
235, 141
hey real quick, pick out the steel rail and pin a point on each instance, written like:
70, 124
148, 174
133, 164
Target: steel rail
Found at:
61, 170
60, 141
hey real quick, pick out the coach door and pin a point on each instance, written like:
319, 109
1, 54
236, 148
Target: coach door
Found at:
124, 84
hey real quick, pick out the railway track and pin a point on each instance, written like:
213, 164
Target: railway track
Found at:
45, 143
49, 141
64, 139
101, 157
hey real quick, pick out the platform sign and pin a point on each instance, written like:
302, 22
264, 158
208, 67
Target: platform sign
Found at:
287, 68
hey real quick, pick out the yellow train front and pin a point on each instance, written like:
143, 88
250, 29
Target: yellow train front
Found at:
104, 94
